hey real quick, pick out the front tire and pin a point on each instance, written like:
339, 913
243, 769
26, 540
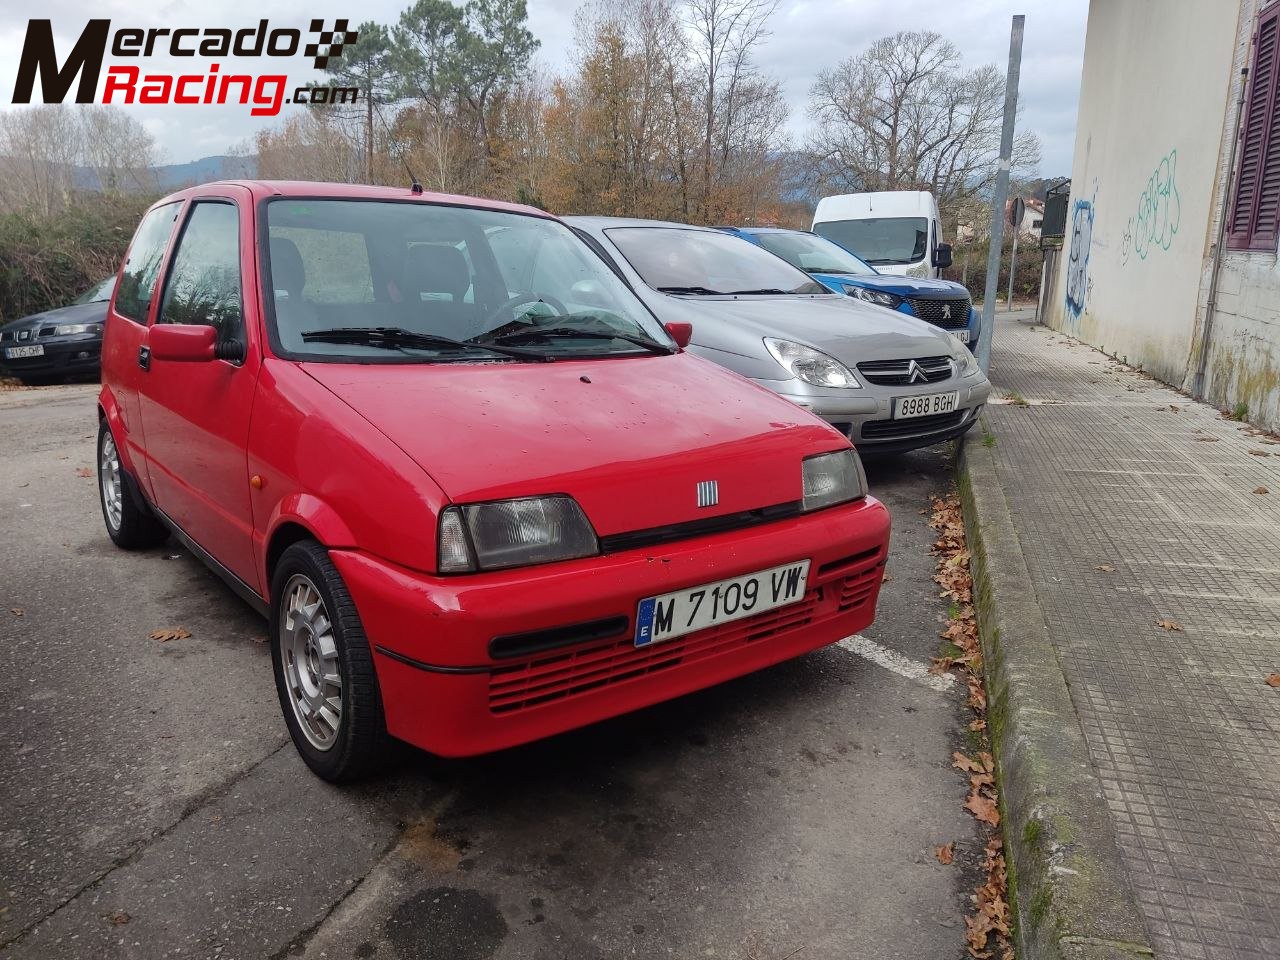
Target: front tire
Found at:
324, 668
130, 523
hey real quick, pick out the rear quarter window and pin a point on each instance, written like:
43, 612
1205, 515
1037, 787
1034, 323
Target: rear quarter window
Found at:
138, 278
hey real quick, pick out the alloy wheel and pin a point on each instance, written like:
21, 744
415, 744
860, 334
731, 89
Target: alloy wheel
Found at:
309, 656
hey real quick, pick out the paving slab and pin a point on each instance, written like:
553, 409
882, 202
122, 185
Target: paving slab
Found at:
1150, 530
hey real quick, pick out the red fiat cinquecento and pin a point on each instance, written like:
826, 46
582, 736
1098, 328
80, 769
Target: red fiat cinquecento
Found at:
479, 491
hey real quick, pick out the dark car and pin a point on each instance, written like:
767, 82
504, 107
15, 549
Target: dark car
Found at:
57, 343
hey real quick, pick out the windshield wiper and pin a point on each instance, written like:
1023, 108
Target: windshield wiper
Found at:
762, 291
697, 291
833, 270
569, 333
396, 338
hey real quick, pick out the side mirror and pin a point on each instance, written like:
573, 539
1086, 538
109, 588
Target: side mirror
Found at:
182, 342
942, 256
681, 333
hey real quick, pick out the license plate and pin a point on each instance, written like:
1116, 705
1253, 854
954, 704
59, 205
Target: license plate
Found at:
15, 353
962, 335
696, 608
925, 405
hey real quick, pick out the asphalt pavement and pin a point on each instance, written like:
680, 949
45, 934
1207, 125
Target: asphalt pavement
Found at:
151, 804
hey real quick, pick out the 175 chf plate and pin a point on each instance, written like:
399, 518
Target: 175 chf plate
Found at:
696, 608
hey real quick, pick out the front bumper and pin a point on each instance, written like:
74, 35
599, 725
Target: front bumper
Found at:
443, 691
60, 358
865, 415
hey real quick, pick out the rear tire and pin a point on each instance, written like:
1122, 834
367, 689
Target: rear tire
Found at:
130, 523
324, 668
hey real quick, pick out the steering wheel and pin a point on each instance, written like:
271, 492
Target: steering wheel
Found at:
526, 297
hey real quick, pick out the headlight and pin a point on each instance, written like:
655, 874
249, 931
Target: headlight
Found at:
810, 365
966, 363
831, 478
66, 329
514, 533
878, 297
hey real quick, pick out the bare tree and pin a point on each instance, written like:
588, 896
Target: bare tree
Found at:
39, 148
903, 115
118, 150
724, 35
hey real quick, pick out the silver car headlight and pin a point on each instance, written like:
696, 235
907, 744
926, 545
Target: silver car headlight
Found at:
878, 297
810, 365
966, 363
514, 533
831, 478
66, 329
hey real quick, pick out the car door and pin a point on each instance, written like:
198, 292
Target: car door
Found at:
196, 414
127, 322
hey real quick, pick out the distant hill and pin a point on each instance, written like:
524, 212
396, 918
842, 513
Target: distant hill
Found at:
175, 176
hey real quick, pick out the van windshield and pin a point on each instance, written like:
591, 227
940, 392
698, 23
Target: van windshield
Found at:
383, 281
814, 254
880, 240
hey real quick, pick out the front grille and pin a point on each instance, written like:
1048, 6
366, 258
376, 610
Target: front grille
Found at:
47, 331
904, 373
948, 314
575, 673
6, 336
636, 539
886, 429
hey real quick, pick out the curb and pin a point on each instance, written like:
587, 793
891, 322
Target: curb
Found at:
1067, 885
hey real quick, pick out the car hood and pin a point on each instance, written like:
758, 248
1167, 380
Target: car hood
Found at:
919, 288
849, 330
75, 313
629, 438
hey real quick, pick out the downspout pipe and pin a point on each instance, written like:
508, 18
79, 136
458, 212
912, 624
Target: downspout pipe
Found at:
1211, 304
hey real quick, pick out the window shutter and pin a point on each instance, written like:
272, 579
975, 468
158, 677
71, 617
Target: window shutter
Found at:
1258, 167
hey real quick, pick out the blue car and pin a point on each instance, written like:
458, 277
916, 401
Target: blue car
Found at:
940, 302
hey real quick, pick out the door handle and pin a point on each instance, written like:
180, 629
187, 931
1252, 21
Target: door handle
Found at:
144, 357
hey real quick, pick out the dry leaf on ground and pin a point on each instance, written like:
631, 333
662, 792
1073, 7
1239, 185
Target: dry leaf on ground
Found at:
118, 918
1105, 568
984, 808
1173, 626
83, 472
171, 633
1261, 490
1273, 680
945, 854
1259, 453
17, 611
961, 762
1207, 439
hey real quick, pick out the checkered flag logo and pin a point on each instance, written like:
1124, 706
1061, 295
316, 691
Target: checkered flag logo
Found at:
327, 47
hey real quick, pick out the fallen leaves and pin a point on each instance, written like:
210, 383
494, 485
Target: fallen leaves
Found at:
987, 929
83, 472
117, 919
170, 633
1261, 491
945, 854
1258, 453
1173, 626
1273, 680
1105, 568
1208, 439
17, 611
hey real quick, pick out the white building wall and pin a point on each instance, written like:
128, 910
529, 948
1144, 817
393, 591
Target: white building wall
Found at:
1153, 108
1243, 357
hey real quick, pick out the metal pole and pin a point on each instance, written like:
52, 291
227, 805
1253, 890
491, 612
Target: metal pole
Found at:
1013, 263
1001, 195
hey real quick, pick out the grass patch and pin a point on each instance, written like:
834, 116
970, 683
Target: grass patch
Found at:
1239, 413
1017, 399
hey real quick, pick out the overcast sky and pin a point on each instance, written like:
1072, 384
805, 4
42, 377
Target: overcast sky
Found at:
808, 35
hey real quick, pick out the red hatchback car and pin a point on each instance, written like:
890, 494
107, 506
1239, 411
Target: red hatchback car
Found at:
479, 491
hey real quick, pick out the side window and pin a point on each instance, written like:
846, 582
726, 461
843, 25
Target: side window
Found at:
203, 286
138, 280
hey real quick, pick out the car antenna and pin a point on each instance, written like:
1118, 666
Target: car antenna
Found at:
415, 185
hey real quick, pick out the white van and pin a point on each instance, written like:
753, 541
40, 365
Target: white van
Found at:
897, 232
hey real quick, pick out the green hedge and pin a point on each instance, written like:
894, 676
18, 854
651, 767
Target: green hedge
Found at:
48, 262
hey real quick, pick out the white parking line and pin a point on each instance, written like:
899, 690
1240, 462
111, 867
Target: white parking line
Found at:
892, 660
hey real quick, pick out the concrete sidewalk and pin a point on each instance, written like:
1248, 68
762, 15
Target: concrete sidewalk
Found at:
1149, 529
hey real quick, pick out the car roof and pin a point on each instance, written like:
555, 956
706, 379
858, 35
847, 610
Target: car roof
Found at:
768, 230
312, 189
605, 223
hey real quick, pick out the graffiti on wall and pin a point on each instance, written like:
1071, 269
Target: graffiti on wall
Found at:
1078, 255
1159, 213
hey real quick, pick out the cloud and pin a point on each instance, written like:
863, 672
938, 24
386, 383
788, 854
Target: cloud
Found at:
808, 35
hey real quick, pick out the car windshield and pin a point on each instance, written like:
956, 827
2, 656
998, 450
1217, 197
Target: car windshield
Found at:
814, 254
98, 293
880, 240
706, 262
412, 281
